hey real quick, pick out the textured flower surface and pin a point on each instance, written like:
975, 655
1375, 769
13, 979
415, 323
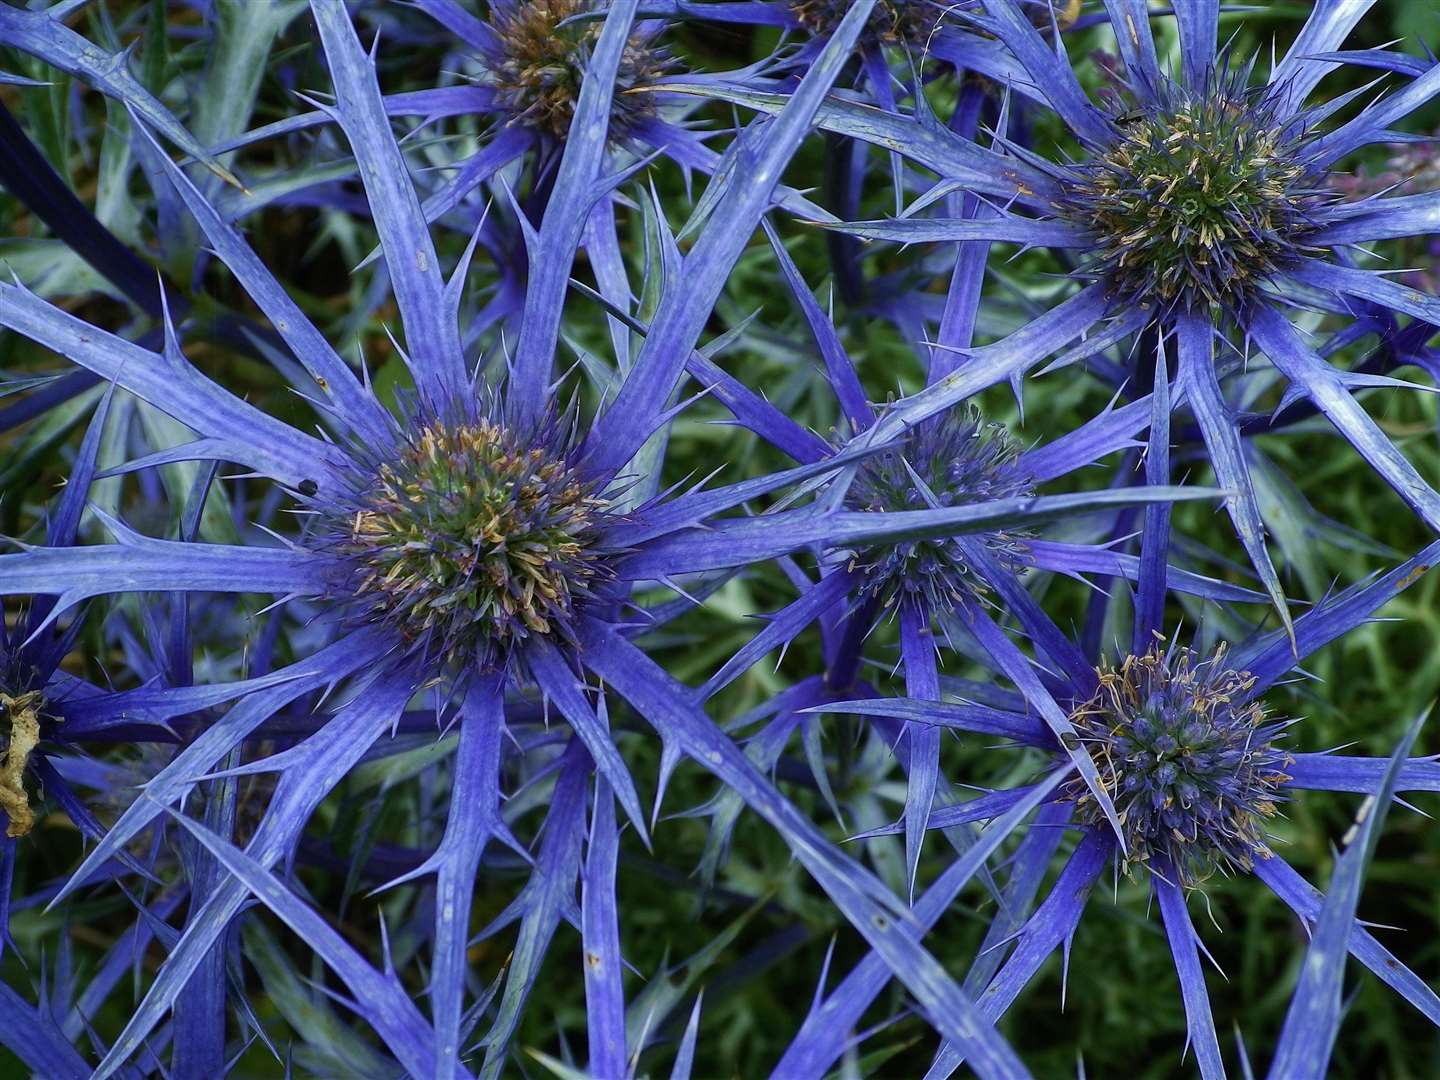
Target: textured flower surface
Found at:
959, 459
468, 546
1193, 764
522, 79
1197, 769
539, 65
1203, 196
891, 22
468, 542
1199, 206
500, 491
956, 583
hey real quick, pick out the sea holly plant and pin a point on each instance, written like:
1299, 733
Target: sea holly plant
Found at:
935, 587
531, 59
1198, 206
1199, 767
470, 544
354, 701
906, 44
521, 84
913, 31
520, 87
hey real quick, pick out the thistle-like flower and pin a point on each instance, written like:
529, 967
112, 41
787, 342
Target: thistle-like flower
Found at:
956, 459
1193, 764
925, 28
475, 549
529, 60
1200, 210
537, 66
1196, 765
955, 464
468, 579
468, 541
893, 22
1203, 197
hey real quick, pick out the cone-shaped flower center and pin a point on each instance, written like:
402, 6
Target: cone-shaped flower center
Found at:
1191, 766
538, 81
960, 460
470, 542
1196, 202
890, 22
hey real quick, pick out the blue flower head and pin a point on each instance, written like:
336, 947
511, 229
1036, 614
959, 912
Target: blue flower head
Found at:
473, 561
469, 539
1193, 765
474, 546
1203, 195
1196, 766
946, 467
1198, 210
537, 64
893, 22
955, 459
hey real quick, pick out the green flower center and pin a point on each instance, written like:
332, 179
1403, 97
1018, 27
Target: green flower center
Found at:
1196, 205
471, 542
539, 79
